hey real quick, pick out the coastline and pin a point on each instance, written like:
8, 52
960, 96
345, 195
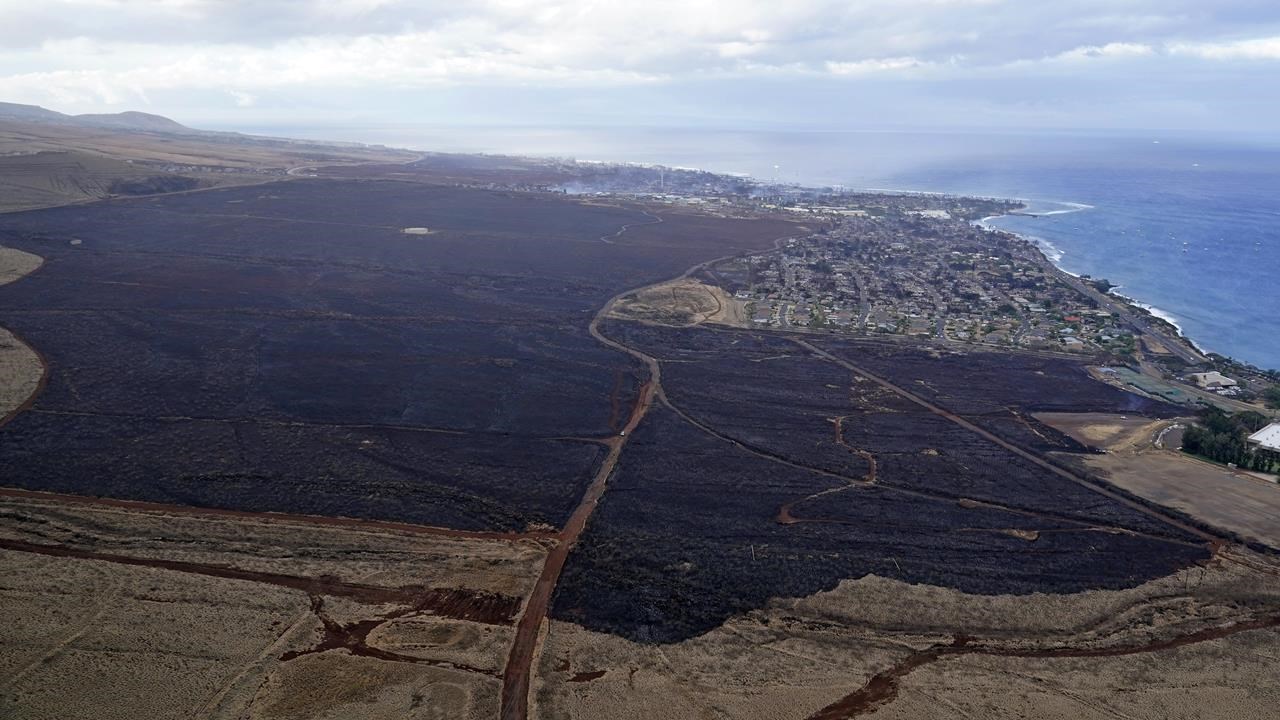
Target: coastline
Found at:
1052, 255
1162, 315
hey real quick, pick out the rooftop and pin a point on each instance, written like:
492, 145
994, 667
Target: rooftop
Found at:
1268, 437
1211, 379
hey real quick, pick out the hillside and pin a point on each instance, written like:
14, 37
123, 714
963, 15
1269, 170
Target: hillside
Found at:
49, 158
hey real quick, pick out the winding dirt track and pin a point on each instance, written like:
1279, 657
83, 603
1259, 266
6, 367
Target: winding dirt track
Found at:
476, 606
609, 239
785, 517
515, 677
883, 687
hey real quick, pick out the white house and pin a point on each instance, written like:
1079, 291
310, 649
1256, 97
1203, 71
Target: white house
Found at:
1268, 438
1213, 380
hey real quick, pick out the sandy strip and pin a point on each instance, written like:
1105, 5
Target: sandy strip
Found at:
21, 369
16, 264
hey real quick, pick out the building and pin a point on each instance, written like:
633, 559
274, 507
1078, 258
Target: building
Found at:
1268, 438
1213, 380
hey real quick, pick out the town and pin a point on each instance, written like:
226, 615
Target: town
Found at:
922, 272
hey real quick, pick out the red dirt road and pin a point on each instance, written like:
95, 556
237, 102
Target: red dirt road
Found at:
515, 679
883, 687
476, 606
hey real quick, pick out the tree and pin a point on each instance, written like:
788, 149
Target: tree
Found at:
1272, 396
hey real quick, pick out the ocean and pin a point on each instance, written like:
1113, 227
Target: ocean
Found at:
1188, 226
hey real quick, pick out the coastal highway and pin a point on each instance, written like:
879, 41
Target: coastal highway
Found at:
1140, 325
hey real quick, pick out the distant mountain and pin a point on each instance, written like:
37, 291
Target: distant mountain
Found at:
30, 113
132, 120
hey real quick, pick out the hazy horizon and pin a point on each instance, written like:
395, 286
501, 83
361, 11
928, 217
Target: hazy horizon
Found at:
923, 65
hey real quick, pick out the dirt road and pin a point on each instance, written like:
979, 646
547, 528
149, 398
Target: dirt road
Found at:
516, 676
1213, 540
455, 603
882, 689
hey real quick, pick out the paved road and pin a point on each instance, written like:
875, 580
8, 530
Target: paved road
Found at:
1140, 325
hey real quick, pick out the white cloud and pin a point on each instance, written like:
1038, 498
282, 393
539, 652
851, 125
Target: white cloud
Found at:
83, 52
873, 65
1110, 50
1266, 48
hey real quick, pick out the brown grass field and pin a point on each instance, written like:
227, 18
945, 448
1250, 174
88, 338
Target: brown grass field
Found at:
1230, 499
105, 634
43, 165
800, 657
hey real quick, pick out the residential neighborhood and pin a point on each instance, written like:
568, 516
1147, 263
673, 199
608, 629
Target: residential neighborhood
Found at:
923, 273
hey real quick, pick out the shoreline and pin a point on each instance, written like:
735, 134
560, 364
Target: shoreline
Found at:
1053, 255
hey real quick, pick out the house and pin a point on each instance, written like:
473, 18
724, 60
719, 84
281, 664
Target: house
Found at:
1212, 380
1268, 438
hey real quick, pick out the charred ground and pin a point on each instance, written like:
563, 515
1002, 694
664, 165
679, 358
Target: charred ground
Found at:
772, 471
287, 347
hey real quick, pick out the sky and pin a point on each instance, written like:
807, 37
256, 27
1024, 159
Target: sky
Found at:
744, 64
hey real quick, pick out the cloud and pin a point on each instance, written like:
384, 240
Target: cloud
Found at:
82, 53
1110, 50
1266, 48
873, 65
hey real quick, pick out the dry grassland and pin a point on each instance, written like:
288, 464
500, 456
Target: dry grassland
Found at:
1230, 679
104, 638
1230, 499
15, 264
799, 656
44, 165
20, 367
20, 372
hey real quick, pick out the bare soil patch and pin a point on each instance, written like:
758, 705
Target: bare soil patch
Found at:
1230, 499
1107, 431
681, 302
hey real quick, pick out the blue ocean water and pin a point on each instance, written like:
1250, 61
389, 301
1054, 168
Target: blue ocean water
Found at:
1191, 229
1187, 225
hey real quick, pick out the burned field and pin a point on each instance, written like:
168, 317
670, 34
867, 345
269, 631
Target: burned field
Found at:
287, 347
770, 471
998, 391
